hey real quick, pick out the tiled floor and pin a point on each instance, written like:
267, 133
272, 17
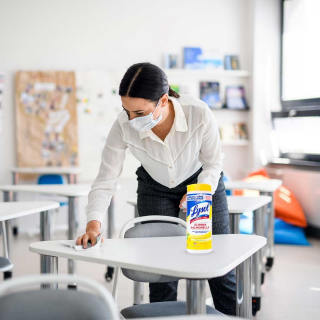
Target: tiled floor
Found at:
291, 289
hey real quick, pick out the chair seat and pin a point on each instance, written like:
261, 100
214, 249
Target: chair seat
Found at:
161, 309
52, 305
5, 264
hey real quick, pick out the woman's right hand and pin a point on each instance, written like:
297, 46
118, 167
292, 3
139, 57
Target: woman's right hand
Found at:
92, 232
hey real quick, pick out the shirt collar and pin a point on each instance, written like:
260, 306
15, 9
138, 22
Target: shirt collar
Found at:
180, 121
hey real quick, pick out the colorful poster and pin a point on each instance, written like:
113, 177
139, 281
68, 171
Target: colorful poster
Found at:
46, 119
210, 94
202, 58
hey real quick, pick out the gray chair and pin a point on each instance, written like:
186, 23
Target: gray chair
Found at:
6, 265
39, 304
146, 227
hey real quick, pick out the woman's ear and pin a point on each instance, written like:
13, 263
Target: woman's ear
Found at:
164, 100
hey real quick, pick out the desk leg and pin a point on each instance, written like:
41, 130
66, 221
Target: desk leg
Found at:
110, 228
110, 225
45, 227
7, 274
136, 213
257, 262
244, 299
15, 180
234, 220
72, 231
264, 233
196, 296
5, 239
49, 264
138, 291
270, 235
7, 197
71, 178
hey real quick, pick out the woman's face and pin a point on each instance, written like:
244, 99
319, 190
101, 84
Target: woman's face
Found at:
138, 107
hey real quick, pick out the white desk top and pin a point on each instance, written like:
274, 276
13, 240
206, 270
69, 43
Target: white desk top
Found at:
65, 190
166, 256
11, 210
270, 185
237, 204
194, 317
48, 170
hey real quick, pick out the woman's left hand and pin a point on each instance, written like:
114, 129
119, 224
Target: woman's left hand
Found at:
183, 203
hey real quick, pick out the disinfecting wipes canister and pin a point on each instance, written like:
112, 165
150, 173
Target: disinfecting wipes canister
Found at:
199, 218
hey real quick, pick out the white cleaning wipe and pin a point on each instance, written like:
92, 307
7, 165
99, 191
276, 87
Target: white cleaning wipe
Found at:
184, 204
72, 243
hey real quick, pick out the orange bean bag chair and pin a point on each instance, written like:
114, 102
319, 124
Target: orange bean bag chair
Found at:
287, 207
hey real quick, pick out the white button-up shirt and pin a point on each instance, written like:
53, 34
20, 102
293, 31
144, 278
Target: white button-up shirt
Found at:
193, 142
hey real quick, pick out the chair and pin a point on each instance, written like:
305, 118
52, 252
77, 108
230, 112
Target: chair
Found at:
226, 178
52, 179
39, 304
5, 264
144, 227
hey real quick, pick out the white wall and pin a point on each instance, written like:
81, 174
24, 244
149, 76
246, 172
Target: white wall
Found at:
266, 72
99, 34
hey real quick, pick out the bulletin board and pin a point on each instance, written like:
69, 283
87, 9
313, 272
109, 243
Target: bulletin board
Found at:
46, 119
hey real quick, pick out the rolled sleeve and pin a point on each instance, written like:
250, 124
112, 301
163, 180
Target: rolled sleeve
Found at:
210, 153
105, 184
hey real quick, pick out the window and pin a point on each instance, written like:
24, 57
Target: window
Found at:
300, 56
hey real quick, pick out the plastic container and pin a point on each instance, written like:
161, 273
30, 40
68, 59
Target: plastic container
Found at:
199, 218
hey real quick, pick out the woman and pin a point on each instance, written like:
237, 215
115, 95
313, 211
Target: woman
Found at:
177, 141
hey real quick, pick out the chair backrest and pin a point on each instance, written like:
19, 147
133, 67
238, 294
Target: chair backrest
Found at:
55, 304
50, 179
226, 178
148, 227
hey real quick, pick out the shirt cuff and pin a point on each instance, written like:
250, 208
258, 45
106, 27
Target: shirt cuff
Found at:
208, 181
95, 215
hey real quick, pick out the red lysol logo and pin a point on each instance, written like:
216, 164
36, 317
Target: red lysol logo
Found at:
206, 216
199, 211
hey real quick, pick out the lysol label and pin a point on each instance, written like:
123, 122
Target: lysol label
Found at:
199, 221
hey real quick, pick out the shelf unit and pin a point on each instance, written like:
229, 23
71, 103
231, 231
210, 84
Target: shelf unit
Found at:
192, 77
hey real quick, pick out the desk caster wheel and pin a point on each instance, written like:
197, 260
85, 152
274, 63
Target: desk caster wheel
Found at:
256, 304
15, 231
269, 263
109, 274
262, 277
7, 275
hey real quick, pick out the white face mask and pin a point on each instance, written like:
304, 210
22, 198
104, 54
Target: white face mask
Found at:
145, 123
